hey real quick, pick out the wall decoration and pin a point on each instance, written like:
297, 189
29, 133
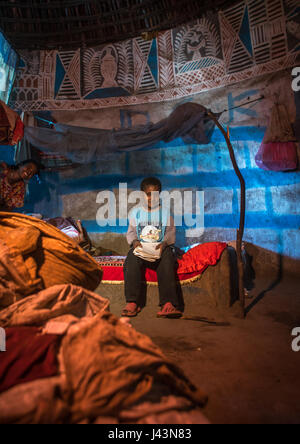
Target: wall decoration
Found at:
197, 43
67, 81
145, 65
198, 52
108, 71
166, 67
235, 28
250, 39
293, 24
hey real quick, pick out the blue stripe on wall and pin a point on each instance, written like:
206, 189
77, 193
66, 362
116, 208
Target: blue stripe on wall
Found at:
253, 221
224, 179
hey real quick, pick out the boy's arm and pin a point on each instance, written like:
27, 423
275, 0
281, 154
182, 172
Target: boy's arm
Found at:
132, 237
170, 233
170, 236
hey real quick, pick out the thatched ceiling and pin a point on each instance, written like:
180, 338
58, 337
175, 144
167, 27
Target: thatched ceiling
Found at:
53, 24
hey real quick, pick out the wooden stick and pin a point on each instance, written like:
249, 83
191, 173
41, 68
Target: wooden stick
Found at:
240, 231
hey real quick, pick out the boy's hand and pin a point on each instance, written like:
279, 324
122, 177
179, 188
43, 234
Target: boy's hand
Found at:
136, 244
161, 247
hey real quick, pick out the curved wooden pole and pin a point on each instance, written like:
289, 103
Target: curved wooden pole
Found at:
240, 231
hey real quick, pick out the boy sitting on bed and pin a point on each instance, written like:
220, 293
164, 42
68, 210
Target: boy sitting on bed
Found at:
151, 233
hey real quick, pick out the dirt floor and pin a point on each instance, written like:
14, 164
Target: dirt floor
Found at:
248, 369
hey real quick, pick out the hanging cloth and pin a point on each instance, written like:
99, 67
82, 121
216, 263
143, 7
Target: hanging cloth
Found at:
278, 151
86, 145
5, 127
11, 126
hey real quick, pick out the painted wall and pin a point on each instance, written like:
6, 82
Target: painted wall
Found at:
249, 39
221, 61
273, 211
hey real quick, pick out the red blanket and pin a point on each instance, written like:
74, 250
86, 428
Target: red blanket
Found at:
191, 265
29, 356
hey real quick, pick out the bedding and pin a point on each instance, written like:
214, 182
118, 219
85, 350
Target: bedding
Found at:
190, 266
100, 361
51, 303
73, 229
85, 361
35, 255
29, 356
111, 367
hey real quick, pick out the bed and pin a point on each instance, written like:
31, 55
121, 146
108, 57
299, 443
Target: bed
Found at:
209, 270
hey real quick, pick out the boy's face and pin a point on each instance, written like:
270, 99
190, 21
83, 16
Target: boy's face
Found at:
152, 193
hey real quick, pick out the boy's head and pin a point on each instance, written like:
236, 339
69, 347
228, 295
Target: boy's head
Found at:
152, 188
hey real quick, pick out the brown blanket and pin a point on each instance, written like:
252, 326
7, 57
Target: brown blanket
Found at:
35, 255
111, 367
54, 302
108, 370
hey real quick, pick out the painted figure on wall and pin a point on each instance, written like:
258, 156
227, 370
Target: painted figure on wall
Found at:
109, 67
202, 40
101, 73
197, 45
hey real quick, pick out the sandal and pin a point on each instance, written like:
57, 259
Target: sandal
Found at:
131, 310
169, 311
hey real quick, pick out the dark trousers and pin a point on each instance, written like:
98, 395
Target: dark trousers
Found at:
134, 273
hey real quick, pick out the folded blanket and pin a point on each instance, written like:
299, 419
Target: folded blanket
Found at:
35, 255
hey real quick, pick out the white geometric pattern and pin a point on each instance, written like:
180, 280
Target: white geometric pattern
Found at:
70, 87
143, 79
242, 42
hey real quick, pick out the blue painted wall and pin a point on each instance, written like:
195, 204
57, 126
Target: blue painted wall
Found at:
273, 211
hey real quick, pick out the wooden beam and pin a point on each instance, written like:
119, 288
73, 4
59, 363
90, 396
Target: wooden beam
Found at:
52, 5
166, 24
78, 18
240, 231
